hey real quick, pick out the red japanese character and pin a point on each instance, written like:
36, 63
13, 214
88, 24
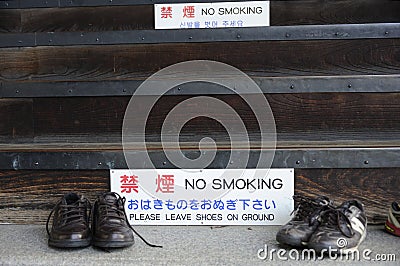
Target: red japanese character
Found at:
129, 183
165, 183
188, 12
166, 12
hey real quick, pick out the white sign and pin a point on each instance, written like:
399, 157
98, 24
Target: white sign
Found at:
212, 15
206, 197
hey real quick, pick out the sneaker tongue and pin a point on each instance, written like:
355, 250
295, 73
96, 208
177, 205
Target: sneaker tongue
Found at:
70, 199
114, 216
351, 204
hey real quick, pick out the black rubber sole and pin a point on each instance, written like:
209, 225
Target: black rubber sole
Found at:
112, 244
81, 243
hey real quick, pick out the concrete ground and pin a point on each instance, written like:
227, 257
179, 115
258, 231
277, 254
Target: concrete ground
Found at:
191, 245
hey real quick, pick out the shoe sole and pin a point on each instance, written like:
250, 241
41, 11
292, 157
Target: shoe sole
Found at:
342, 251
353, 249
112, 244
392, 229
288, 240
82, 243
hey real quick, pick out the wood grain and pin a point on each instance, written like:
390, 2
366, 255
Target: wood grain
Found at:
88, 19
142, 16
79, 116
16, 120
317, 119
305, 117
10, 21
375, 188
41, 189
266, 58
28, 196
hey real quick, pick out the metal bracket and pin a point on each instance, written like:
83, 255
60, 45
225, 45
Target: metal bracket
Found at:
273, 33
284, 158
373, 83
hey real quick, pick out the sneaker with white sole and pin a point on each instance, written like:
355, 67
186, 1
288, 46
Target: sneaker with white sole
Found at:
342, 229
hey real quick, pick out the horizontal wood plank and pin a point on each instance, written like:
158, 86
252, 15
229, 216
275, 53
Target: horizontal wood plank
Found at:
265, 58
28, 196
10, 21
298, 117
79, 116
83, 144
40, 189
324, 117
135, 17
82, 19
16, 118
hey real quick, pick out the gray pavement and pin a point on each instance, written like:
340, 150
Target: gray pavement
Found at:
183, 245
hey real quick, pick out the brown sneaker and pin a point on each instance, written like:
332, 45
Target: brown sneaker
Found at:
342, 229
70, 228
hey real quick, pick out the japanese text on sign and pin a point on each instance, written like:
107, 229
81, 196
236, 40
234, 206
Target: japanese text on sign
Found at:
177, 197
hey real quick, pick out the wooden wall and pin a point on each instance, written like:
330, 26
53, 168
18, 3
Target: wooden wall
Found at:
283, 13
318, 120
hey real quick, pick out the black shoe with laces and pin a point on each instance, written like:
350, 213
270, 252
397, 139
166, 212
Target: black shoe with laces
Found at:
70, 227
305, 221
110, 225
342, 229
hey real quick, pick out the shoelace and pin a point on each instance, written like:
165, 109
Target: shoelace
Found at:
336, 218
306, 207
70, 212
111, 210
118, 212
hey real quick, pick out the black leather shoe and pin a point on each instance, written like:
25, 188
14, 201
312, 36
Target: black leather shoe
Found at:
70, 227
109, 223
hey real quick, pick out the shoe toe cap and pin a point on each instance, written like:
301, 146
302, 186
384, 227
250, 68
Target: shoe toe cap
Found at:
70, 235
115, 235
